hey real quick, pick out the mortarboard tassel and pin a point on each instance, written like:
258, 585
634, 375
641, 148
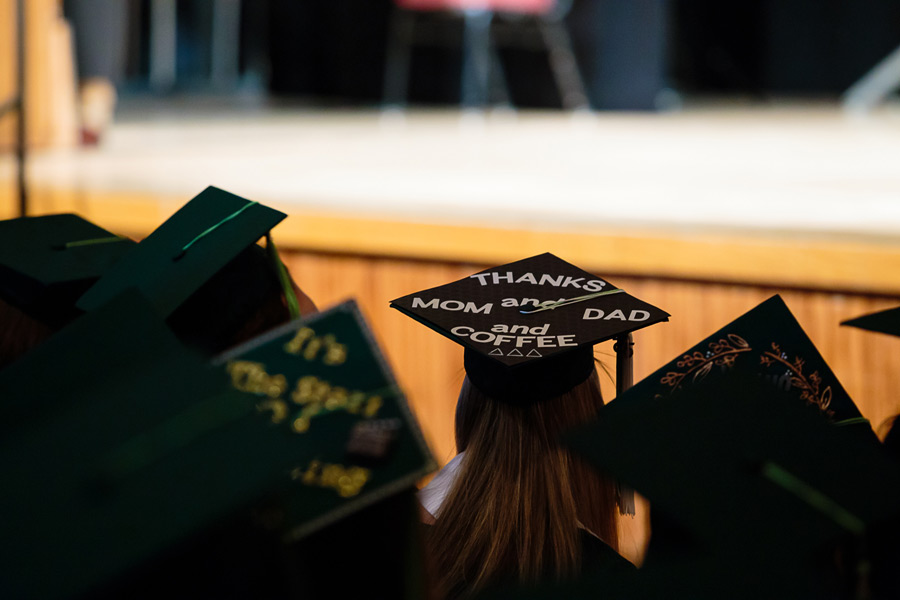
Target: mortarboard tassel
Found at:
625, 500
624, 348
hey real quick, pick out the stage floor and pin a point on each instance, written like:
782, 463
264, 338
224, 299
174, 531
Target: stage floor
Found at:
800, 169
651, 194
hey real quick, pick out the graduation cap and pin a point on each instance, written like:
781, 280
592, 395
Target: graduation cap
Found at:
116, 443
48, 262
883, 321
748, 444
187, 250
765, 484
768, 342
324, 381
528, 327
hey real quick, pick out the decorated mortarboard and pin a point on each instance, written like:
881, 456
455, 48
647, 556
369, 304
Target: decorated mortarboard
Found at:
185, 251
751, 409
116, 445
48, 262
764, 484
540, 311
766, 341
324, 382
769, 343
883, 321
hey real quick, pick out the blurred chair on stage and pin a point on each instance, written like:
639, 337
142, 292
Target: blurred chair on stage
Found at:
487, 24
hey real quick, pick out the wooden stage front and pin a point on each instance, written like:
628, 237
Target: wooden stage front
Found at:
703, 213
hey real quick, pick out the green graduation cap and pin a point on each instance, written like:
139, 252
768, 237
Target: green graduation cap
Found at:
752, 453
186, 251
761, 482
117, 443
884, 321
768, 342
324, 382
48, 262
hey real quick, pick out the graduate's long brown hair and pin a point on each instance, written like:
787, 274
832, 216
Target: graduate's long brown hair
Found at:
519, 496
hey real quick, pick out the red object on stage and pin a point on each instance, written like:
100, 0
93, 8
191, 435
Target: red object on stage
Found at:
537, 7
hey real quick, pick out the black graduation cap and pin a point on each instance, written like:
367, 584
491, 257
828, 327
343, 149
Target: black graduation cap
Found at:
324, 381
540, 311
48, 262
186, 251
883, 321
116, 443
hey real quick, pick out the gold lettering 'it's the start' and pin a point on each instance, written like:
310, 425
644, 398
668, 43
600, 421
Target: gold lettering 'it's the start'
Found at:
308, 345
313, 395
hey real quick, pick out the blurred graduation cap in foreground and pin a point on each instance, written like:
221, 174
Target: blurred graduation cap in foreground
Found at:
48, 262
324, 381
109, 463
350, 512
762, 484
117, 443
752, 450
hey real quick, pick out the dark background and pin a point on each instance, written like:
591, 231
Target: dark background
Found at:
333, 51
